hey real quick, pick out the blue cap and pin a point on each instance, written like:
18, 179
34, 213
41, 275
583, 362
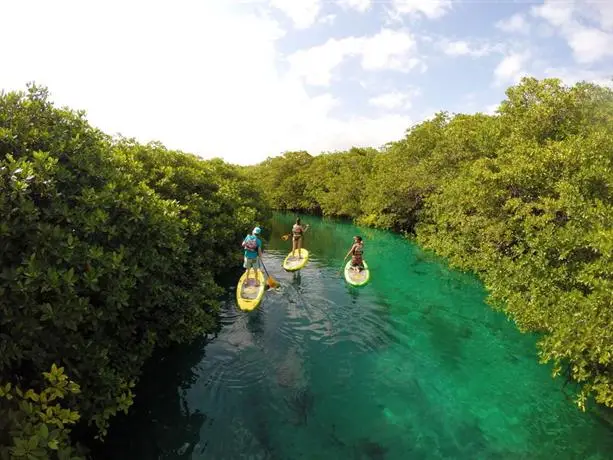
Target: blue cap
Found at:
256, 231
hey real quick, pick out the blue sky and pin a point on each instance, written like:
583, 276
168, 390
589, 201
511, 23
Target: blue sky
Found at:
250, 79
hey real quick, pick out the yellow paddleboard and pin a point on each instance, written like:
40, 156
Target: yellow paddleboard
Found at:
356, 278
248, 295
293, 263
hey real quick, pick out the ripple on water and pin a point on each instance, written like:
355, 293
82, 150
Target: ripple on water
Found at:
420, 369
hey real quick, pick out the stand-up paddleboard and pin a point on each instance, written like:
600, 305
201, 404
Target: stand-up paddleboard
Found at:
248, 295
355, 277
293, 263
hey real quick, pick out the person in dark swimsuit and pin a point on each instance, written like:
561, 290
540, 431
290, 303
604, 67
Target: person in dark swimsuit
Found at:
297, 235
356, 252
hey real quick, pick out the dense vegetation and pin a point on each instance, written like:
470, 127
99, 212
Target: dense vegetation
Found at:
108, 249
524, 198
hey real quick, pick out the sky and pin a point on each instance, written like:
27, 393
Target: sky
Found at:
246, 80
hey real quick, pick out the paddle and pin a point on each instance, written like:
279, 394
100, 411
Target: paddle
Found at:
343, 266
272, 283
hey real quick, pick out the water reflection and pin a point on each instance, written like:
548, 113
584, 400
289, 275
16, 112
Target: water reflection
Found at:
160, 411
256, 322
354, 293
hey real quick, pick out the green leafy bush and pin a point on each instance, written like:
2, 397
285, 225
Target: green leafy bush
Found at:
107, 249
536, 221
34, 425
282, 181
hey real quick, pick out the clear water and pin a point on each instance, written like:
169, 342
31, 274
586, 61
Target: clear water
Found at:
413, 365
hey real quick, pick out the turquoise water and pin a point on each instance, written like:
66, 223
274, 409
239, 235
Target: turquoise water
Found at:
413, 365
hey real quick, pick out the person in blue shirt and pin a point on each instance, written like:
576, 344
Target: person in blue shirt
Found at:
253, 252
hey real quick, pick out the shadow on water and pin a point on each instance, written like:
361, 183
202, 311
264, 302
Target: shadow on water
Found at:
160, 413
300, 403
446, 338
354, 293
256, 322
296, 278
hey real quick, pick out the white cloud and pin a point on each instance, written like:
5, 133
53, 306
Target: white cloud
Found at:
328, 19
432, 9
558, 14
360, 5
387, 50
302, 12
316, 64
393, 100
602, 11
458, 48
463, 48
588, 43
511, 68
515, 24
473, 102
490, 109
198, 76
334, 134
572, 76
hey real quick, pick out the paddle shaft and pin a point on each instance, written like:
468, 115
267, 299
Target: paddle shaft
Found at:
266, 271
271, 281
343, 266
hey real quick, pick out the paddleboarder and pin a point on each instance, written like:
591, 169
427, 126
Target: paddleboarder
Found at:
253, 253
297, 234
356, 252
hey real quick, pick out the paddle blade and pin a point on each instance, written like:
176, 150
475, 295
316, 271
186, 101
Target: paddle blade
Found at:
285, 237
272, 283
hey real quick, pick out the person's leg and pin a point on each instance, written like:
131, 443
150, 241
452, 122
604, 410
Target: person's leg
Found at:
299, 245
293, 246
246, 266
256, 267
250, 267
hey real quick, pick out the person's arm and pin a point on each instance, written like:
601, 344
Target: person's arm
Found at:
260, 249
306, 227
350, 251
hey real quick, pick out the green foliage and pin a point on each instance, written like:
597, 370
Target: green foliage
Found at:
282, 180
524, 198
214, 203
395, 191
536, 222
107, 249
430, 155
34, 425
336, 181
330, 184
